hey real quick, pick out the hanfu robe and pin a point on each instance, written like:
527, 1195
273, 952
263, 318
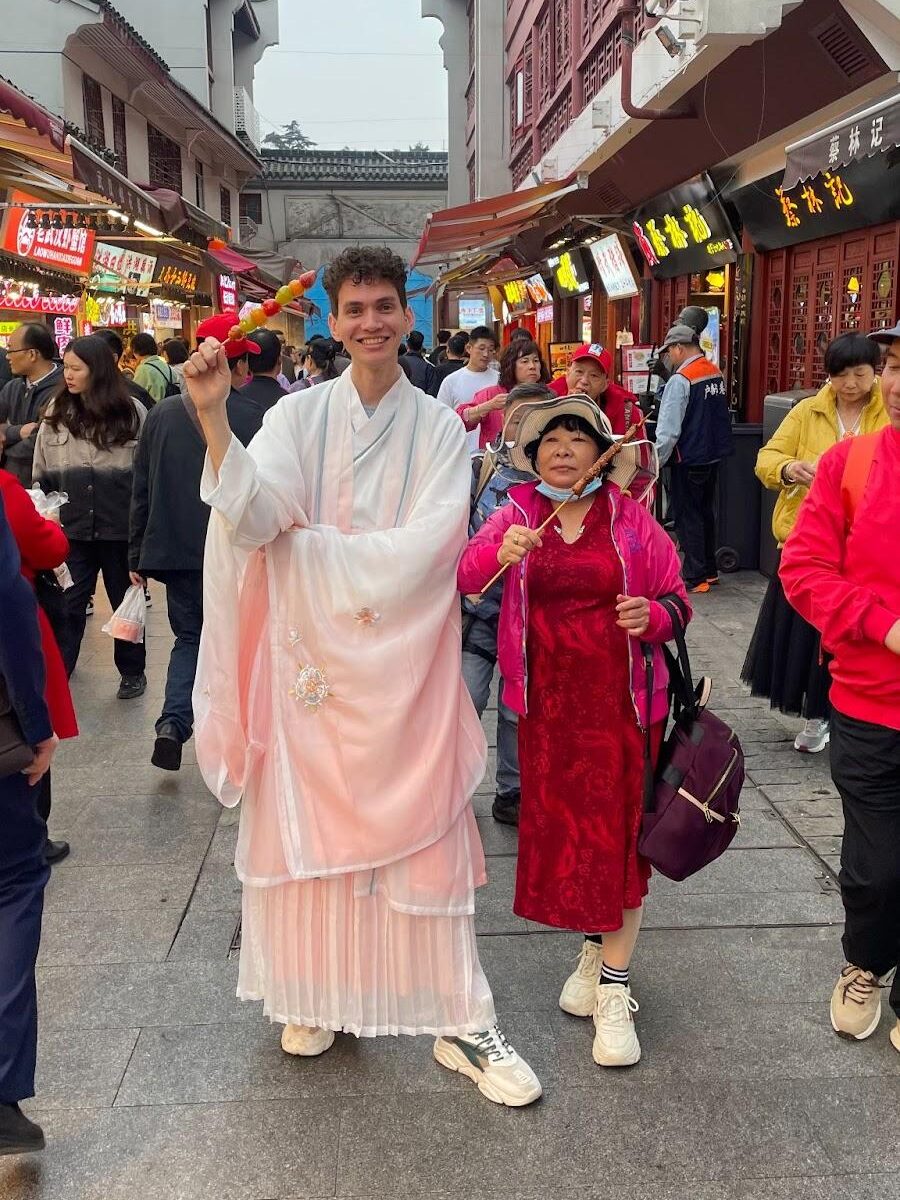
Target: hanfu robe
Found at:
329, 700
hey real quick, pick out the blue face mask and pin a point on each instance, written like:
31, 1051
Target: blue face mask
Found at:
560, 494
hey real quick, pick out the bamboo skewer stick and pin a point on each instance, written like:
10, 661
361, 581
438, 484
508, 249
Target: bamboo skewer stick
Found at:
578, 489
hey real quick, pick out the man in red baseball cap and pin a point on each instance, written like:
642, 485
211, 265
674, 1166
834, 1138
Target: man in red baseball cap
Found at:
590, 374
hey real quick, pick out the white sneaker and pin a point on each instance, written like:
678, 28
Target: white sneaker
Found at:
491, 1063
813, 737
579, 992
306, 1041
615, 1041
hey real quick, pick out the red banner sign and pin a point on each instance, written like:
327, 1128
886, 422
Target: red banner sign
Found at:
70, 249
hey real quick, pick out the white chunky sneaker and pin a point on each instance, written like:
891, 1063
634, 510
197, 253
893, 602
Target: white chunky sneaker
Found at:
491, 1063
306, 1041
813, 737
615, 1041
579, 992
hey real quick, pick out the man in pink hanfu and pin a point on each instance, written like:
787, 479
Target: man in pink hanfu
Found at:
329, 698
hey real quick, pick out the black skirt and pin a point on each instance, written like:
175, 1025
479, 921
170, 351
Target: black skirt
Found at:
783, 662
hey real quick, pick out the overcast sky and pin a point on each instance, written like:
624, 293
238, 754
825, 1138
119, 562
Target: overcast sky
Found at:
356, 73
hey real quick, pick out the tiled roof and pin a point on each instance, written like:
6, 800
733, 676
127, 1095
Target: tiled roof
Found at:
117, 19
356, 166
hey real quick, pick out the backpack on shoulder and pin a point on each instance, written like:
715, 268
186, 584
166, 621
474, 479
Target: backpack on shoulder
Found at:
172, 388
691, 801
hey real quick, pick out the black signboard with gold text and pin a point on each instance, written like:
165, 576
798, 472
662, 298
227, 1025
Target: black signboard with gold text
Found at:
685, 231
850, 197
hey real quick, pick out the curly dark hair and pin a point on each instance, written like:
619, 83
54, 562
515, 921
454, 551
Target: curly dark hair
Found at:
364, 264
105, 414
519, 348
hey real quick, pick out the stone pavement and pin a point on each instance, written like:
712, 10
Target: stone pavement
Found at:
155, 1083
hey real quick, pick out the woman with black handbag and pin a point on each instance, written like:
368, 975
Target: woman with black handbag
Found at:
42, 547
576, 603
85, 448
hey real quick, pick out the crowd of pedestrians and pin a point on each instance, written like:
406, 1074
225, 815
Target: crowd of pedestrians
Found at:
317, 500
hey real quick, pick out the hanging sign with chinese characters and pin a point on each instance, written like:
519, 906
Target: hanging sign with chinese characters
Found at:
570, 273
614, 267
685, 231
227, 289
873, 131
858, 196
516, 295
173, 274
56, 245
122, 270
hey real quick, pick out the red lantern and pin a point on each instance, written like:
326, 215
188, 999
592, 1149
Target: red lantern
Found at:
216, 244
271, 308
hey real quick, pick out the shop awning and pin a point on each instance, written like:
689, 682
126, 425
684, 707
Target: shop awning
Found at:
23, 108
228, 259
489, 223
100, 177
872, 131
181, 218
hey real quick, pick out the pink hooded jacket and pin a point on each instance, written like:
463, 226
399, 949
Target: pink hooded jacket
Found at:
650, 567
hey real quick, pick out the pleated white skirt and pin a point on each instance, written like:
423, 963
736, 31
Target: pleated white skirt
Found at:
329, 953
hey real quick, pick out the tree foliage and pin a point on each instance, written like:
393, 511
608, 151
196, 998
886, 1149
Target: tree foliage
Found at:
291, 137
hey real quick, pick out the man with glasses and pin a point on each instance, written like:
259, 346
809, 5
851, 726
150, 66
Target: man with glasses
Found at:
36, 375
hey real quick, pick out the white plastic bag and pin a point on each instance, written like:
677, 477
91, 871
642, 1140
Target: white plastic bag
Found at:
48, 505
127, 622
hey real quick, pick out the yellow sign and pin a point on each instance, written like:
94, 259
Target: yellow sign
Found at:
7, 327
811, 203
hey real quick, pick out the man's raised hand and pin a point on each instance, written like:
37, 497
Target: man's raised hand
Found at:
208, 376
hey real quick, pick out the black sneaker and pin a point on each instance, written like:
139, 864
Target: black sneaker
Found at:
18, 1135
55, 852
89, 608
148, 599
505, 809
167, 748
132, 686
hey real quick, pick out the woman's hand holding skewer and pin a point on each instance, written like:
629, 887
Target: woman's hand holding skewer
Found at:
517, 542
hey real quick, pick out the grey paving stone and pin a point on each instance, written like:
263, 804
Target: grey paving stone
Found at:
218, 887
856, 1120
493, 903
657, 1134
204, 936
728, 1040
498, 839
174, 842
766, 871
192, 1152
763, 830
816, 1187
827, 845
137, 995
74, 888
749, 910
85, 781
81, 1068
131, 935
209, 1063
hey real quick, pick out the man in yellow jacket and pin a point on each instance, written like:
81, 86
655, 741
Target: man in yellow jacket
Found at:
785, 661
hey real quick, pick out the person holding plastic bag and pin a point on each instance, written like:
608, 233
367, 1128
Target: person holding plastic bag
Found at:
85, 447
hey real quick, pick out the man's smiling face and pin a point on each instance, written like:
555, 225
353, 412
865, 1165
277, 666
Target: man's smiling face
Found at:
370, 321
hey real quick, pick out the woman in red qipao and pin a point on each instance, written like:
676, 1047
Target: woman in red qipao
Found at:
42, 546
578, 600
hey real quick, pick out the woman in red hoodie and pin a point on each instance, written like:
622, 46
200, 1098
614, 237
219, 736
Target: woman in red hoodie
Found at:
841, 571
42, 546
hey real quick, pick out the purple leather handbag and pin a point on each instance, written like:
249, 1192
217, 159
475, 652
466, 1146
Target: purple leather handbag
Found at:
691, 801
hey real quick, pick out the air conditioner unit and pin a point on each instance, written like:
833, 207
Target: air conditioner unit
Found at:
246, 118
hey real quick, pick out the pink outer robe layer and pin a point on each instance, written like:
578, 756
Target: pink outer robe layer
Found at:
329, 700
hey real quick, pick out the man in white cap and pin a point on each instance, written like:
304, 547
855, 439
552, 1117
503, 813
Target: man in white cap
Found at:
693, 435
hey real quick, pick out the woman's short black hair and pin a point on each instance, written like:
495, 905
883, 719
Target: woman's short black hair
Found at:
574, 425
176, 351
519, 348
851, 350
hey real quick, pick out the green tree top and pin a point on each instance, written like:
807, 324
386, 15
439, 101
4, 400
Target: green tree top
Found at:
291, 137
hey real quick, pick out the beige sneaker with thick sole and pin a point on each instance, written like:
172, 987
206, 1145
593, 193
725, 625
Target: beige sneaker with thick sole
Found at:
856, 1003
490, 1062
305, 1041
615, 1038
895, 1036
579, 992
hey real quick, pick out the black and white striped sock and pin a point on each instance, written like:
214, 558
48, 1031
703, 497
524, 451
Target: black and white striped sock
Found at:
612, 975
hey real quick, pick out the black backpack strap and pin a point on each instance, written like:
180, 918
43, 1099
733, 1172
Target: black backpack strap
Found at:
170, 381
649, 781
680, 675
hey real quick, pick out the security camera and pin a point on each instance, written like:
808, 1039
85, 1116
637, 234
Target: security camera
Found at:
670, 43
